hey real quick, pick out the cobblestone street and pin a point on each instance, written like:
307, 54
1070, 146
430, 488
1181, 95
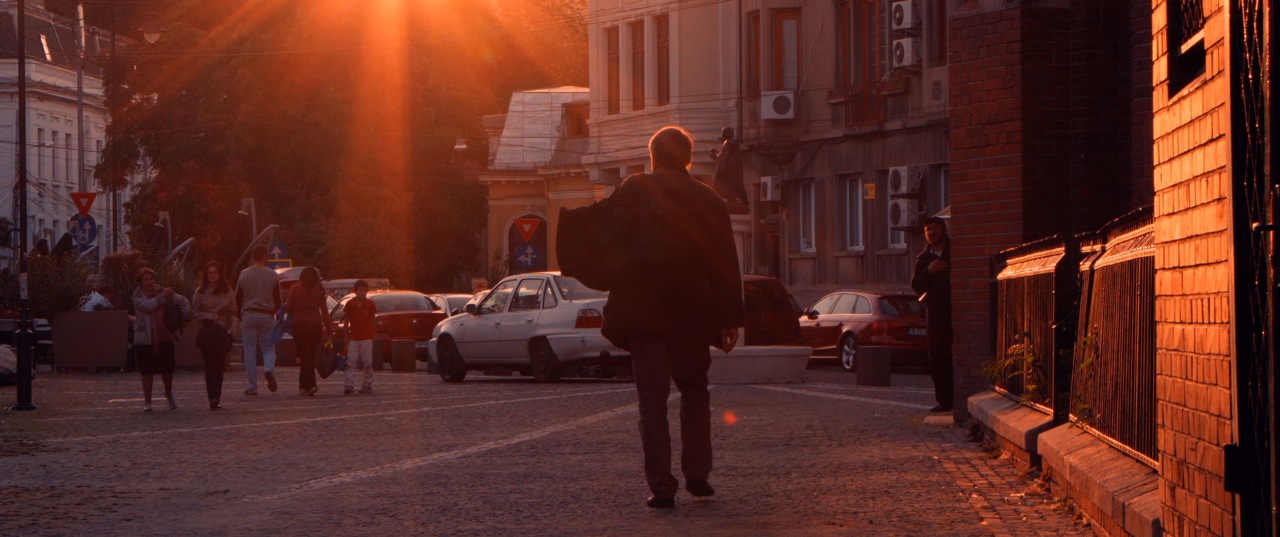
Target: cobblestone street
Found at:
495, 456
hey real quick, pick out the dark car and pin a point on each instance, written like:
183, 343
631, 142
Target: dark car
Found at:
772, 314
838, 324
401, 315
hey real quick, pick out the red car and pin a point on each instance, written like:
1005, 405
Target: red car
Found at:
401, 315
770, 312
838, 324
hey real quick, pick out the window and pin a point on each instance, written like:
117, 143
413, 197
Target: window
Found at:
40, 153
862, 306
55, 155
528, 295
663, 24
824, 306
867, 39
549, 298
637, 65
497, 299
69, 164
752, 69
844, 43
786, 50
808, 221
853, 214
1186, 42
613, 70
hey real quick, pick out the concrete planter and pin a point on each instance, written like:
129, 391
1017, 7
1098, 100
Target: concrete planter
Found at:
759, 365
91, 339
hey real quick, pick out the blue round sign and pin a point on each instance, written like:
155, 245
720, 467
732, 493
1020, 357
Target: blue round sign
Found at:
85, 232
526, 257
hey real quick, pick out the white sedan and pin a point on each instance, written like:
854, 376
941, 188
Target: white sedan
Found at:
537, 323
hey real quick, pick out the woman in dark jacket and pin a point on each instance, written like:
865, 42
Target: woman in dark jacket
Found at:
306, 307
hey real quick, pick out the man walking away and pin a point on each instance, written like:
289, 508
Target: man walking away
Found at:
686, 249
258, 299
932, 281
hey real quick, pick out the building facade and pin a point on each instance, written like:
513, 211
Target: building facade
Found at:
66, 127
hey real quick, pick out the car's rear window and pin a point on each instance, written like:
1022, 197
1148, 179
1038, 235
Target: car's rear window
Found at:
767, 295
572, 289
901, 305
405, 302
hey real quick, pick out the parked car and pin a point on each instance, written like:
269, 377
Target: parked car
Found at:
341, 287
772, 314
453, 303
838, 324
402, 314
536, 323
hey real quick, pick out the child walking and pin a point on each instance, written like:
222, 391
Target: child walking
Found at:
360, 312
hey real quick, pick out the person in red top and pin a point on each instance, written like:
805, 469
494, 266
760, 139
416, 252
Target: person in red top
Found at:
360, 312
306, 306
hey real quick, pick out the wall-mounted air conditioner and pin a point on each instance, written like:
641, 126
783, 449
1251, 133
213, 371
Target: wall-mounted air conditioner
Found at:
904, 180
906, 52
904, 213
904, 16
777, 105
770, 188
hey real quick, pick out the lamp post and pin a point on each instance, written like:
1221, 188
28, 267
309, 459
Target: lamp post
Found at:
163, 221
23, 336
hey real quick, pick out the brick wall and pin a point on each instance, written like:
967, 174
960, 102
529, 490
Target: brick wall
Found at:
1046, 137
1193, 282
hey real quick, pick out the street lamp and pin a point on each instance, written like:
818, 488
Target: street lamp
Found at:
247, 209
164, 222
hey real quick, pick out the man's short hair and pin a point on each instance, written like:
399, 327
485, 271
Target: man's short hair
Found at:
260, 252
935, 220
671, 147
359, 284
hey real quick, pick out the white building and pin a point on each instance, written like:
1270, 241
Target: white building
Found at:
54, 165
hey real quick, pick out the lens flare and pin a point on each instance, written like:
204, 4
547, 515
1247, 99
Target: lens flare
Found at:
730, 418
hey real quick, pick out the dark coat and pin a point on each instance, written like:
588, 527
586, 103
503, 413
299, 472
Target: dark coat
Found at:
681, 275
934, 288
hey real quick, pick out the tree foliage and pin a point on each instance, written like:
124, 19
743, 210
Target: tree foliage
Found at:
338, 118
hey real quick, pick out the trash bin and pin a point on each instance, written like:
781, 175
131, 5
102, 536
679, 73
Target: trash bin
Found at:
873, 366
404, 356
379, 352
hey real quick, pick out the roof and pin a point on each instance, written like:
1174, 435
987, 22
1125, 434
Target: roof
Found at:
59, 34
531, 132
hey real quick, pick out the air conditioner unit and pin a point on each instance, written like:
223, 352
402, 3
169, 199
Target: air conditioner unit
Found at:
903, 180
777, 105
770, 188
904, 15
906, 52
904, 213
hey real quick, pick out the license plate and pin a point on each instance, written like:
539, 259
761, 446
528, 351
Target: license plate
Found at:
916, 331
420, 344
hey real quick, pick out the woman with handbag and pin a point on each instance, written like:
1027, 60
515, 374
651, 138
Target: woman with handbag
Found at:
214, 306
306, 306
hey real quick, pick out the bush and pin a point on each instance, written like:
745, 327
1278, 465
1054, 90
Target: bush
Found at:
56, 283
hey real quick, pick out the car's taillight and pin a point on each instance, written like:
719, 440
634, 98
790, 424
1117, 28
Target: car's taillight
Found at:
589, 318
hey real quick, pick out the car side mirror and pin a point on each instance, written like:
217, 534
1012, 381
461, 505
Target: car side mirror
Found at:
471, 308
812, 315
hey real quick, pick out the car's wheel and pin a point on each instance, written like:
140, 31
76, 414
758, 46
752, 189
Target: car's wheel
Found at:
543, 363
452, 366
849, 353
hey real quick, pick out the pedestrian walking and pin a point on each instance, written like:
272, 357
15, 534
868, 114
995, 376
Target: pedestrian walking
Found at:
685, 249
213, 306
359, 312
257, 299
306, 306
153, 337
932, 281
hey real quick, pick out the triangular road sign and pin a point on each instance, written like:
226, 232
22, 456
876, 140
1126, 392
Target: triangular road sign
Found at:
83, 201
526, 227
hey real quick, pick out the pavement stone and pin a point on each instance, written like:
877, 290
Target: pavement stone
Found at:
497, 456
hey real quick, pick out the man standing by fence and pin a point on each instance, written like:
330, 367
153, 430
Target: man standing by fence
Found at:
932, 281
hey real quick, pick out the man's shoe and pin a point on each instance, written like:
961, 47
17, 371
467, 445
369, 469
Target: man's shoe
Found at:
699, 488
173, 405
213, 404
656, 502
940, 408
251, 391
348, 391
311, 391
271, 381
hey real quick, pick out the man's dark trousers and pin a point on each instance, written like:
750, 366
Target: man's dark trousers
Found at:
656, 360
940, 362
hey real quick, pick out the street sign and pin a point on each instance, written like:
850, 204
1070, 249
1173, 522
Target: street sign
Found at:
279, 263
85, 231
83, 201
277, 251
526, 227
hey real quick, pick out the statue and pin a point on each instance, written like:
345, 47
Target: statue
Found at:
728, 178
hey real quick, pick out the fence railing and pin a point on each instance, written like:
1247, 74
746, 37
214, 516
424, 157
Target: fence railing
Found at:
1075, 330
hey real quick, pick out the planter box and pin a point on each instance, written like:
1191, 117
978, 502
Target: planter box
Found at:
91, 339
